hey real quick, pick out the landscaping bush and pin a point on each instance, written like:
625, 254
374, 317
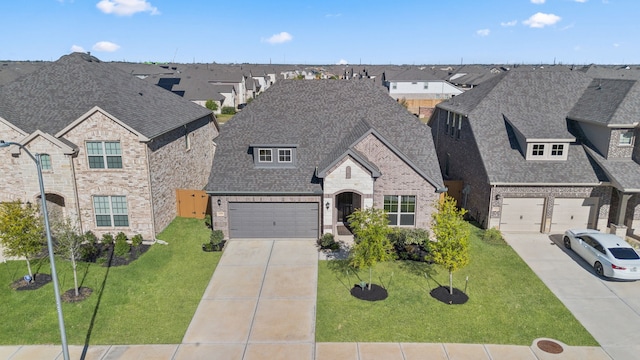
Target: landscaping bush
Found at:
410, 244
136, 240
493, 236
228, 110
328, 242
107, 239
122, 247
207, 220
215, 241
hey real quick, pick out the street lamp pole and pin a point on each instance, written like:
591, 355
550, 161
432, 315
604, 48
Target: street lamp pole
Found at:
54, 274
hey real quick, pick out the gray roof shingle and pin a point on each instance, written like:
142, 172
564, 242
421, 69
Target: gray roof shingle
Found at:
58, 93
609, 102
322, 117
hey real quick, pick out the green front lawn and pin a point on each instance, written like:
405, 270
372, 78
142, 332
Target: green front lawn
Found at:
150, 301
507, 304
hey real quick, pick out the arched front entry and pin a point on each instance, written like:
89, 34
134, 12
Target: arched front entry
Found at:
346, 203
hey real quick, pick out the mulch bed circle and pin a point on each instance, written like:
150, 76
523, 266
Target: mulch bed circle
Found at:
69, 296
376, 293
549, 346
442, 293
39, 280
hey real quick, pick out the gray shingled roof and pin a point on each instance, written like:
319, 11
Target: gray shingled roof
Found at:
58, 93
537, 102
624, 173
319, 116
609, 102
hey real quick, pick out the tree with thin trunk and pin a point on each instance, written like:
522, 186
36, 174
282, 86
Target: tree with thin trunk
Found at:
21, 231
370, 229
451, 246
68, 243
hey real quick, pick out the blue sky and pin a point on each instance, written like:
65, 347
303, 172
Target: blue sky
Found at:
325, 32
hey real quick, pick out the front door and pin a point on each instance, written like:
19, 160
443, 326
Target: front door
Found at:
346, 204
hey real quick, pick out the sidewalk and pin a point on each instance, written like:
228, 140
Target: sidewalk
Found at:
260, 304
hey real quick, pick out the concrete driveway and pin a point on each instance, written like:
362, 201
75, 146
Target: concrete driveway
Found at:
609, 310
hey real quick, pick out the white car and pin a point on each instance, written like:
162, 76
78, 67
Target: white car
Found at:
609, 255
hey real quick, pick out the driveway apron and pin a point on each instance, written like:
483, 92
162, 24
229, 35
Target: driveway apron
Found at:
260, 302
609, 310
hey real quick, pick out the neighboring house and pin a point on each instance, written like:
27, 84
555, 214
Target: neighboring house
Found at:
544, 151
419, 88
115, 148
305, 154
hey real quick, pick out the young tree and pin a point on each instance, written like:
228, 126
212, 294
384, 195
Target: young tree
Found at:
451, 248
21, 231
68, 243
211, 105
370, 228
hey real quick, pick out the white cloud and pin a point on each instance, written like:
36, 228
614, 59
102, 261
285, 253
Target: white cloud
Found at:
483, 32
105, 46
77, 48
616, 45
540, 20
126, 7
342, 62
581, 1
509, 23
538, 1
283, 37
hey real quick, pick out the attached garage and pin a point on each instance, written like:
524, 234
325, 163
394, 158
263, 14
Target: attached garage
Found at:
576, 213
273, 220
522, 214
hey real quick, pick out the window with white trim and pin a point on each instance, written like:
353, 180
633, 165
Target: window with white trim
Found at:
284, 155
394, 85
557, 150
264, 155
111, 211
45, 161
626, 138
104, 154
425, 85
537, 150
400, 209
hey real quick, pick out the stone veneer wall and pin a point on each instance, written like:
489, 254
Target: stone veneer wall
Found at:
220, 213
615, 149
398, 178
132, 180
336, 182
12, 169
172, 166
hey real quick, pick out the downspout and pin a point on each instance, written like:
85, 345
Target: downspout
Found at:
148, 166
75, 193
491, 197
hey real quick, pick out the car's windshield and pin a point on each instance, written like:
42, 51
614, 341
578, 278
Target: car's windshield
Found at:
624, 253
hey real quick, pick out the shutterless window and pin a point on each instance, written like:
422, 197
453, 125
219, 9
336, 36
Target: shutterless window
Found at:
45, 162
538, 150
425, 86
394, 85
626, 138
284, 155
111, 211
264, 155
400, 209
557, 149
104, 154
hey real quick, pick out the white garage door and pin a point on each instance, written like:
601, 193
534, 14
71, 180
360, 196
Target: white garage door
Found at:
573, 214
522, 214
273, 220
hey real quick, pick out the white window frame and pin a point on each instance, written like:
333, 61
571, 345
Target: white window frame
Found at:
622, 139
538, 150
112, 211
267, 153
559, 149
401, 200
104, 155
285, 153
45, 162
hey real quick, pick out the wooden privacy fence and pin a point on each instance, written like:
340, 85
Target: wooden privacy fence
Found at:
192, 203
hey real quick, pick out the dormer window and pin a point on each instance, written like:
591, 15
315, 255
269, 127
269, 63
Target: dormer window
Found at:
264, 155
626, 138
547, 151
538, 150
557, 149
274, 155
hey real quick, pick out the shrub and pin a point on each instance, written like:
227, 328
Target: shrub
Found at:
410, 244
88, 252
493, 236
216, 237
207, 220
90, 238
228, 110
327, 241
211, 105
107, 239
136, 240
122, 247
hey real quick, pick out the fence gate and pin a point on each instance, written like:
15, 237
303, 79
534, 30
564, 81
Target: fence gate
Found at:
192, 203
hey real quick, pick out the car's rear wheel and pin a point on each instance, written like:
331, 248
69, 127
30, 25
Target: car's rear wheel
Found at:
599, 269
567, 242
